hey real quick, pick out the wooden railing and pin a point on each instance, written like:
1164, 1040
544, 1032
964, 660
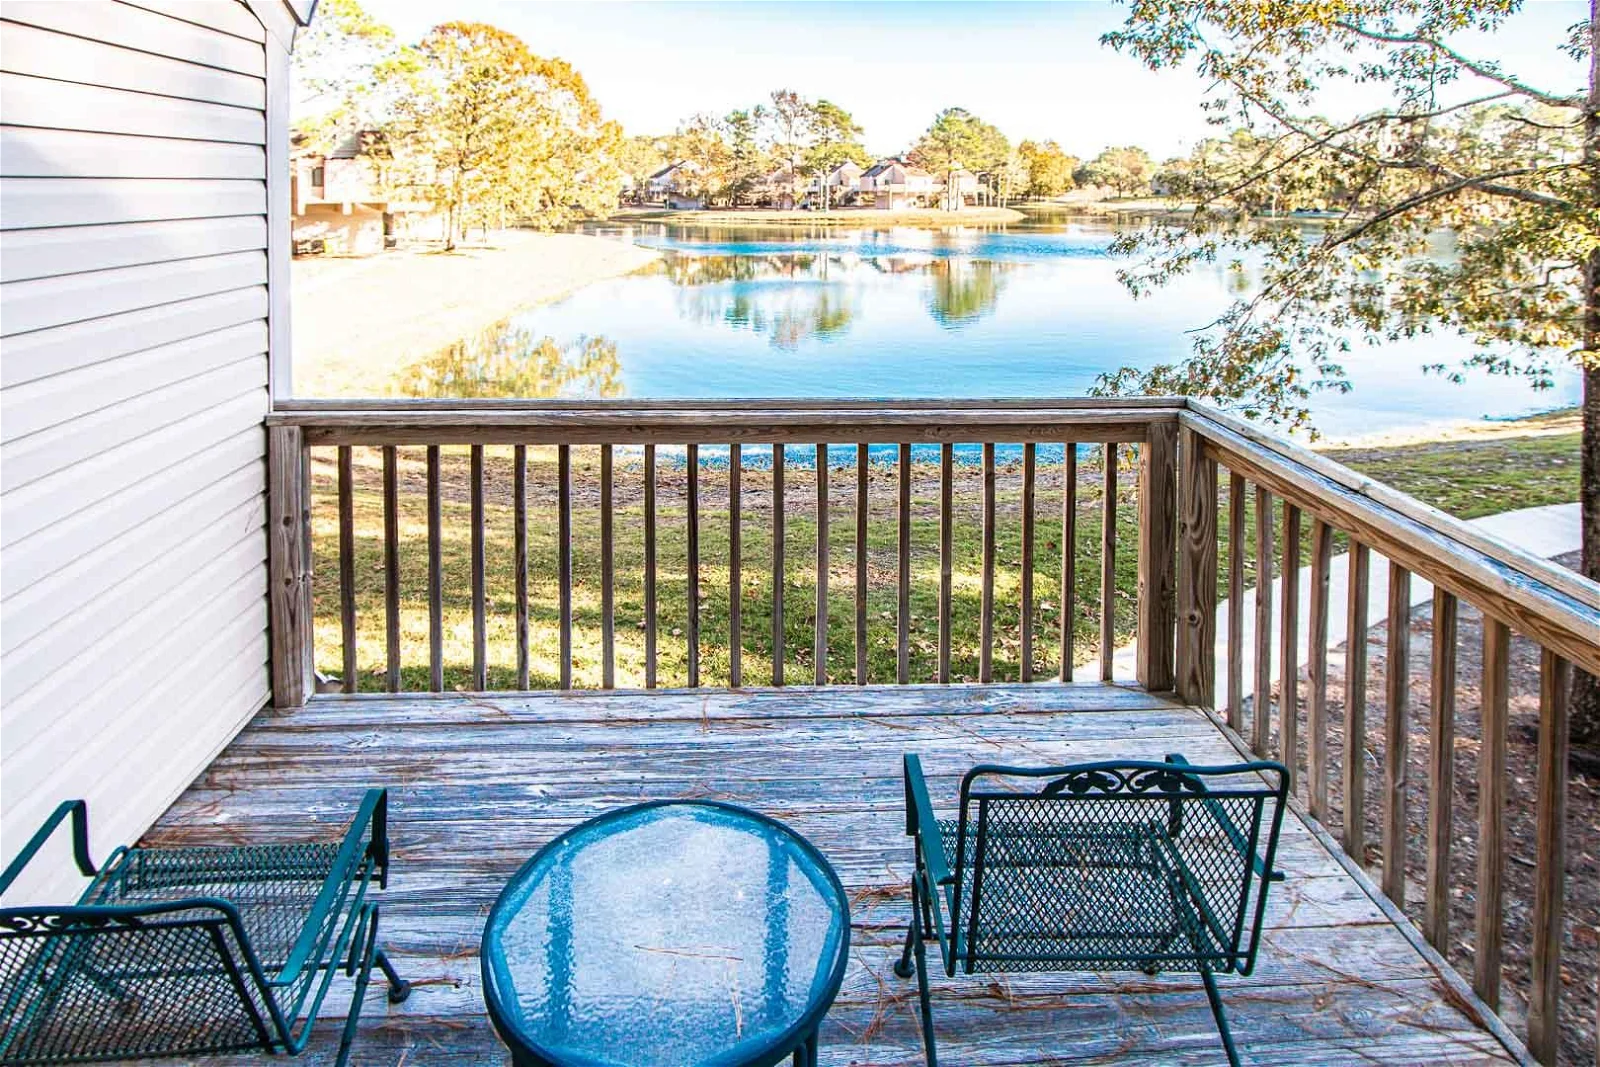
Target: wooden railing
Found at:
1552, 607
1301, 506
911, 439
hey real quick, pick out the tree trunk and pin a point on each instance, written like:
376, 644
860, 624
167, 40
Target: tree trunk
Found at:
1585, 720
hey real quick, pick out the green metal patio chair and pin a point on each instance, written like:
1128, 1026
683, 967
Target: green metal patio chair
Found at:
1097, 866
192, 951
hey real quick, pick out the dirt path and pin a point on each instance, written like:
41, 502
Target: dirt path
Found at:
358, 319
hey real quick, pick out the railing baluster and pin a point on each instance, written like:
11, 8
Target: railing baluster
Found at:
1069, 555
947, 520
819, 647
519, 507
649, 566
1544, 1002
1025, 637
861, 562
391, 566
1441, 771
1197, 574
903, 604
608, 593
1492, 794
1236, 550
777, 564
1397, 734
986, 604
735, 564
479, 635
1108, 563
1355, 703
435, 576
691, 459
1261, 711
564, 556
1317, 691
1289, 648
347, 570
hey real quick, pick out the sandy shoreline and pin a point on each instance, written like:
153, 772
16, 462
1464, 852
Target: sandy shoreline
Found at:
357, 321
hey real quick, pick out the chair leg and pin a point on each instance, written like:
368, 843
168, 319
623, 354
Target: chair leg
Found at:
922, 995
921, 926
1221, 1016
903, 968
368, 954
399, 988
806, 1054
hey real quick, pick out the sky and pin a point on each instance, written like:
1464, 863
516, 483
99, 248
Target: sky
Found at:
1035, 70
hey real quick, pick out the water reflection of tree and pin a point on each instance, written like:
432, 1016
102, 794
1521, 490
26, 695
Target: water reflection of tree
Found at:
964, 290
785, 316
725, 290
715, 270
509, 361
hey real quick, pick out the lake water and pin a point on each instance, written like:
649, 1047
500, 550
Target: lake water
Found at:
1030, 309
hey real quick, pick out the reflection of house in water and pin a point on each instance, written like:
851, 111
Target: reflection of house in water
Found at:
507, 360
729, 290
340, 202
902, 263
964, 290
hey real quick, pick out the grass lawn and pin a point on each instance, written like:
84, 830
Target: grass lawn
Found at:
1477, 475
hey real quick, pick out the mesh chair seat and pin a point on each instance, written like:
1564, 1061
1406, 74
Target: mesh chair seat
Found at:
273, 887
192, 951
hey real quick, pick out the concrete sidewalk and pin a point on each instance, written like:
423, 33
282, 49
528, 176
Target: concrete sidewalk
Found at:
1553, 530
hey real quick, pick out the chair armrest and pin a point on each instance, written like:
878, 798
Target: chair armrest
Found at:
372, 813
1235, 835
80, 842
921, 824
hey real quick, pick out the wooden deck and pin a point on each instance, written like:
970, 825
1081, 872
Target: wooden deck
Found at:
477, 783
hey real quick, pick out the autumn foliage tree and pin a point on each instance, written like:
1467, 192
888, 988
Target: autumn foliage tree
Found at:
1049, 169
488, 131
1508, 165
1127, 169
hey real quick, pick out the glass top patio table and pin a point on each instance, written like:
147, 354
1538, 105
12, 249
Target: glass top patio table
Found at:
678, 932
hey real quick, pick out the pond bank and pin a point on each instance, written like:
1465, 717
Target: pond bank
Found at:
856, 218
357, 321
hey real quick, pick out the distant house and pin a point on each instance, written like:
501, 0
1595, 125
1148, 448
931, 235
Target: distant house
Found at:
777, 189
894, 184
338, 202
673, 185
963, 183
842, 182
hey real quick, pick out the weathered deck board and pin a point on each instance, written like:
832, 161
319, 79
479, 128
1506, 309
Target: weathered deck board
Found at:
478, 783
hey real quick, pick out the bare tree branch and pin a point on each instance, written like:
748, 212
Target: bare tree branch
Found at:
1487, 71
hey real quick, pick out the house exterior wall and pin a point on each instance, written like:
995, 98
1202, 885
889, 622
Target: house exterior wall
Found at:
135, 317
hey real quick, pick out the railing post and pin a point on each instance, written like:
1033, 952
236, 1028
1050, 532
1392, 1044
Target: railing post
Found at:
1158, 535
289, 567
1196, 663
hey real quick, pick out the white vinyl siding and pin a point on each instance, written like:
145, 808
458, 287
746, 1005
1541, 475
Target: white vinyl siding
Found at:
134, 322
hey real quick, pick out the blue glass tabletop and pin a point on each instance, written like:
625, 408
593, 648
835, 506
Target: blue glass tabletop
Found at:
668, 933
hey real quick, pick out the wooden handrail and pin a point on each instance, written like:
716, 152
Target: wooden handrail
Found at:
1557, 577
1557, 607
